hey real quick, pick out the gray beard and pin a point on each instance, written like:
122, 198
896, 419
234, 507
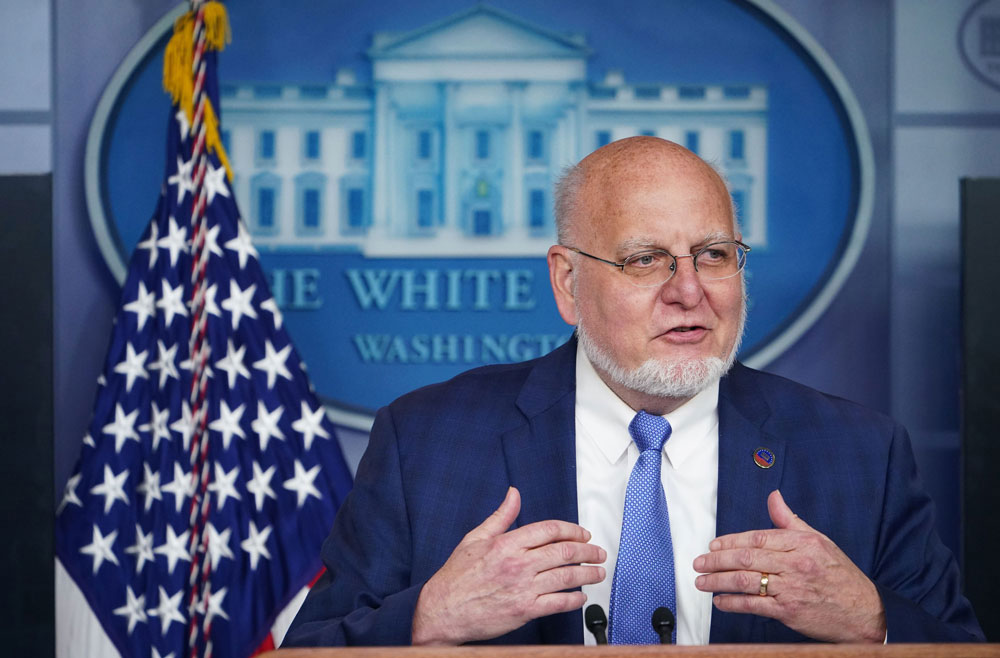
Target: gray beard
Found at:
679, 379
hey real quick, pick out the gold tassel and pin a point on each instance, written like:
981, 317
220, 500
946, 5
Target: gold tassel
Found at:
177, 63
216, 26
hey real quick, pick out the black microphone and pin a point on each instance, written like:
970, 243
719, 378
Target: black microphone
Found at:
663, 624
597, 622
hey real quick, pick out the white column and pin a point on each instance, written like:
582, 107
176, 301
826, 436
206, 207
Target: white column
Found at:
380, 163
515, 165
450, 194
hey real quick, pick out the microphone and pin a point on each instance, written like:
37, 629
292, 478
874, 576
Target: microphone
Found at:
663, 623
597, 622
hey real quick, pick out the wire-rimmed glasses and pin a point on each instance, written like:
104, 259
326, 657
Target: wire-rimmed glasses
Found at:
654, 267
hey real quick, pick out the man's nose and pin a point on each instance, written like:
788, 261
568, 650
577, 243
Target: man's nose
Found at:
684, 286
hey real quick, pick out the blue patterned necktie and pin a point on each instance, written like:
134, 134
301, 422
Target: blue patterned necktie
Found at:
644, 574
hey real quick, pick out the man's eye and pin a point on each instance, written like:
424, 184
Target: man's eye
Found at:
646, 260
713, 255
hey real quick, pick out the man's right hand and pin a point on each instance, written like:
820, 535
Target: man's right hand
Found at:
496, 581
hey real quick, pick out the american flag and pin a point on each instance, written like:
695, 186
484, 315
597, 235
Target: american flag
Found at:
210, 473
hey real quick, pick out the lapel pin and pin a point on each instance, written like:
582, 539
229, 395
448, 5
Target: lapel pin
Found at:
763, 458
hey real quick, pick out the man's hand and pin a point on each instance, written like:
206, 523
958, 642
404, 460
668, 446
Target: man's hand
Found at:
812, 587
496, 581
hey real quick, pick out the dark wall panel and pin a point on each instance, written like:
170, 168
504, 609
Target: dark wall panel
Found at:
981, 394
26, 504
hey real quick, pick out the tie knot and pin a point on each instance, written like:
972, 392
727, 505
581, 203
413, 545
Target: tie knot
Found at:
648, 431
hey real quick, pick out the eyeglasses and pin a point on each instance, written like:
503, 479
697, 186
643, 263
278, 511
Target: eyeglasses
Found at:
719, 260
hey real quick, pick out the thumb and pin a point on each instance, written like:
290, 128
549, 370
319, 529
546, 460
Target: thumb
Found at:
499, 521
782, 515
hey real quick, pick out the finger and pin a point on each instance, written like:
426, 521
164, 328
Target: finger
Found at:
569, 577
743, 559
744, 582
555, 555
550, 604
500, 520
765, 606
782, 515
769, 540
551, 531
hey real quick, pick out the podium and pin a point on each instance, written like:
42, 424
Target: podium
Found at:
709, 651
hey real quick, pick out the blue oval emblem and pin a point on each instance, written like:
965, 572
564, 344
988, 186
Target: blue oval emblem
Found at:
397, 178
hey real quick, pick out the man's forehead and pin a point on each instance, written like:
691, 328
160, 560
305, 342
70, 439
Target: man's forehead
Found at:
641, 242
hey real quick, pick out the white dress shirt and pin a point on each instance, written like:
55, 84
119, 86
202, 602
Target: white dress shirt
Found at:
605, 455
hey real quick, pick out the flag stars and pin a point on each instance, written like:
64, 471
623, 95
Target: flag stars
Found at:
260, 485
181, 487
182, 123
169, 609
266, 424
175, 241
242, 245
165, 363
158, 424
182, 179
212, 240
232, 363
123, 427
170, 301
210, 306
112, 488
271, 307
228, 423
142, 549
302, 483
189, 363
215, 183
273, 363
310, 424
218, 545
144, 305
224, 485
214, 606
184, 425
69, 495
240, 302
149, 488
100, 548
133, 366
134, 608
256, 544
150, 245
174, 548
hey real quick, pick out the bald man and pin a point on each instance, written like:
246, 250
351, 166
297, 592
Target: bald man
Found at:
493, 506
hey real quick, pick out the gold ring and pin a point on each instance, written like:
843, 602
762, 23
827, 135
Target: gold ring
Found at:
763, 584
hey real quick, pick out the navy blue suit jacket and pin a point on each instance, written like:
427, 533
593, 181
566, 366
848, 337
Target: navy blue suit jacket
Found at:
440, 460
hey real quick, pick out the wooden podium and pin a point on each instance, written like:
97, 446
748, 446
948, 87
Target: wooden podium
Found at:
709, 651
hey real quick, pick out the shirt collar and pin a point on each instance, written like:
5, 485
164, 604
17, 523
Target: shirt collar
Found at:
605, 417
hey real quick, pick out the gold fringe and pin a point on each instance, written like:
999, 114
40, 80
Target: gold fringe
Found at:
216, 26
177, 64
177, 75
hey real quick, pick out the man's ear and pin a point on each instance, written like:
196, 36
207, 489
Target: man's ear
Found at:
561, 275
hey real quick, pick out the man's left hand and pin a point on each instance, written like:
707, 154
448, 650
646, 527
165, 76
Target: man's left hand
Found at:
813, 587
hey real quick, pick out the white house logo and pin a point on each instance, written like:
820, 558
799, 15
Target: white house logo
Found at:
979, 41
400, 190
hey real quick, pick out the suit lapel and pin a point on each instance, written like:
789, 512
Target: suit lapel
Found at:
743, 485
540, 457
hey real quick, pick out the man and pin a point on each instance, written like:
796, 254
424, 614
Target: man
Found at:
649, 269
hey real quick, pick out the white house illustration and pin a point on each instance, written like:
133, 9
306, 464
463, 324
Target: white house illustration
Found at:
453, 148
